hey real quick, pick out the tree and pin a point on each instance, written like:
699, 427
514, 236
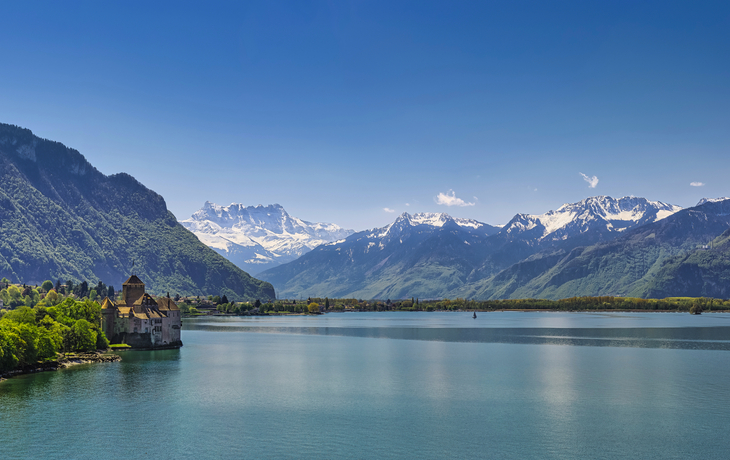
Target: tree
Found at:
83, 336
51, 298
22, 315
313, 307
82, 289
257, 304
47, 285
326, 303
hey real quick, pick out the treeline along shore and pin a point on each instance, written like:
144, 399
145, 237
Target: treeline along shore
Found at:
215, 305
47, 326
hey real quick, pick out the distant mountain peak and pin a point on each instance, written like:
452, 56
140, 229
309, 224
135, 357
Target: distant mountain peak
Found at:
259, 237
431, 219
711, 200
612, 214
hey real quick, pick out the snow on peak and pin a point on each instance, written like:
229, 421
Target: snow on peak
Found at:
431, 219
604, 211
711, 200
269, 228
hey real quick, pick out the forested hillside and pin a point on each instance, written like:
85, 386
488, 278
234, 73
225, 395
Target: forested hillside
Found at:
60, 218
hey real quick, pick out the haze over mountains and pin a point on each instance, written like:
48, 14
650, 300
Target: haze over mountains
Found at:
260, 237
60, 218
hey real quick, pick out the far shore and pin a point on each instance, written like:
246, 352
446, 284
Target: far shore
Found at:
524, 310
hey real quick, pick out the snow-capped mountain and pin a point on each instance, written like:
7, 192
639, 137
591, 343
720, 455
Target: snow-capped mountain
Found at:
598, 213
259, 237
388, 261
712, 200
430, 219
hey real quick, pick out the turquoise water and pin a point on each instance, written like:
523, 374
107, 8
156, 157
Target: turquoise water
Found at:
392, 385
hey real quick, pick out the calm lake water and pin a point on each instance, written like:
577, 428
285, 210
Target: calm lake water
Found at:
393, 385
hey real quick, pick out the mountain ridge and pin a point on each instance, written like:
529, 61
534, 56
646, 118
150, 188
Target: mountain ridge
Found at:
60, 218
444, 258
259, 237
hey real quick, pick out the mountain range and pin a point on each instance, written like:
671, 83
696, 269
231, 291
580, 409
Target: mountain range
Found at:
598, 246
60, 218
261, 237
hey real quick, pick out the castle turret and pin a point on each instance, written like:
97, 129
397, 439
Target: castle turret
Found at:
108, 316
132, 289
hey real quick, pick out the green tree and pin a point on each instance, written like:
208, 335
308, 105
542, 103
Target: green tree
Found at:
313, 307
22, 315
47, 285
83, 336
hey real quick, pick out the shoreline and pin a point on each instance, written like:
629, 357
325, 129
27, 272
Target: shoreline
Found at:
524, 310
63, 361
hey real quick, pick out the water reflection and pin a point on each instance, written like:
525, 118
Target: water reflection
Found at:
689, 338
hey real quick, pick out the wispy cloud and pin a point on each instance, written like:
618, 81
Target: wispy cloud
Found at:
449, 199
592, 181
697, 184
408, 204
388, 210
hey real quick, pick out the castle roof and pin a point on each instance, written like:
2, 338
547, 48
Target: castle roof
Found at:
133, 280
166, 303
106, 304
145, 299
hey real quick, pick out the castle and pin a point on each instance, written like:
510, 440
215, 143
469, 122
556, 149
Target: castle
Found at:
139, 320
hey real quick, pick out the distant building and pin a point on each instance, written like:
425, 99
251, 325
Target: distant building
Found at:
140, 320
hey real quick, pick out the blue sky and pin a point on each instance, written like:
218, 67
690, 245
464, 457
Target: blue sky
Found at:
344, 111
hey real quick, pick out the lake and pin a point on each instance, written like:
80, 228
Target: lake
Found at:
507, 385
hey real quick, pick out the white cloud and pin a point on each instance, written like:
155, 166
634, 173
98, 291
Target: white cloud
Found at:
388, 210
408, 204
697, 184
592, 181
449, 199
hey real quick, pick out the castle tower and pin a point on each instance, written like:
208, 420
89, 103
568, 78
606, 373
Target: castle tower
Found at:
132, 289
108, 316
